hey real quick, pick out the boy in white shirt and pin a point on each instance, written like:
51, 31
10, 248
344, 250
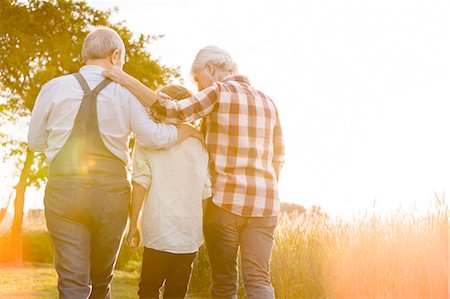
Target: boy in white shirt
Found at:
175, 182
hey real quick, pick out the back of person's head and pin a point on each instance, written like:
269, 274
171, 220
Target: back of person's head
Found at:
216, 57
100, 43
176, 92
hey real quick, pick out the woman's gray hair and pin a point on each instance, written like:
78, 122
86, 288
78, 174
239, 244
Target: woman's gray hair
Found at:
100, 43
220, 59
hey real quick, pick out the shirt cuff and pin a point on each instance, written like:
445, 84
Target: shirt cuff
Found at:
162, 98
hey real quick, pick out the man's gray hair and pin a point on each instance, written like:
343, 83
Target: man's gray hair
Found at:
217, 57
100, 43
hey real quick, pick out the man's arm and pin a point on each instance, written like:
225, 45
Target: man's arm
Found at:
37, 130
149, 133
185, 131
157, 135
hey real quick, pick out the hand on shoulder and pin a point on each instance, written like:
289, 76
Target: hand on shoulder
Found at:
116, 74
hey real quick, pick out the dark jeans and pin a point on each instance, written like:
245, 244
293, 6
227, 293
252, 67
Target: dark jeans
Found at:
158, 266
86, 221
225, 233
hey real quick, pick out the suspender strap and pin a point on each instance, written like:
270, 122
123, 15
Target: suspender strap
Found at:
100, 87
85, 86
82, 82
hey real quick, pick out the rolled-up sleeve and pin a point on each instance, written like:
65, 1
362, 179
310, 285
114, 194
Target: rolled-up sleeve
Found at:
142, 174
149, 133
37, 129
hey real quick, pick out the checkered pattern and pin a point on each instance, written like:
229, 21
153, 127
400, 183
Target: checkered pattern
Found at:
244, 140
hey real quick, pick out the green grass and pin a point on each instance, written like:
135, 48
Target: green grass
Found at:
39, 282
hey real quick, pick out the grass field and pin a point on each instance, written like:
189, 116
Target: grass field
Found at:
39, 282
402, 256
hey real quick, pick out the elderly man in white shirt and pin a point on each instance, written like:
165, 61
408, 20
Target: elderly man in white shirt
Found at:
83, 123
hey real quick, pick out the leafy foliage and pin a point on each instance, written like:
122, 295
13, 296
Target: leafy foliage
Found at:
41, 40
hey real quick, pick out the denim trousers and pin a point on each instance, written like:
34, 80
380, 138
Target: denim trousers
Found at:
86, 220
225, 235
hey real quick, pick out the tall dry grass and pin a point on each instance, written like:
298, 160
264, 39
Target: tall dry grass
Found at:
401, 256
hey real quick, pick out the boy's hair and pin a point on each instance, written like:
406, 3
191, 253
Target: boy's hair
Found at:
176, 92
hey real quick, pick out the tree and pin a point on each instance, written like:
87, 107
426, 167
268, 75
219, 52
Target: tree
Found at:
40, 40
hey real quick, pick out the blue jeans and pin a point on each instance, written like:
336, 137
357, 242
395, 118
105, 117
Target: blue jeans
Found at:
86, 221
225, 233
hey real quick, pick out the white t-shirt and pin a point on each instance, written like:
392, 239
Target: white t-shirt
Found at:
177, 180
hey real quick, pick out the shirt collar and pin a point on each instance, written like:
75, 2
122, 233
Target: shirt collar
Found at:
92, 69
237, 78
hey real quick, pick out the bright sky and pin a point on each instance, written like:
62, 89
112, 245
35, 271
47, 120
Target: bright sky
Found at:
361, 88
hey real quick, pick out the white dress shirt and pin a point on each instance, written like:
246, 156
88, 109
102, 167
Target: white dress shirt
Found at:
177, 180
119, 114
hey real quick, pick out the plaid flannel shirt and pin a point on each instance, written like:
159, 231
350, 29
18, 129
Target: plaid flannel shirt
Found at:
244, 140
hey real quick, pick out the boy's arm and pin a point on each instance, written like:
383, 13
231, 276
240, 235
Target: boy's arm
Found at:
141, 183
133, 236
137, 199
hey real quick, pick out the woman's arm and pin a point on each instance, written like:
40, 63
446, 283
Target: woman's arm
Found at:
175, 112
143, 93
278, 148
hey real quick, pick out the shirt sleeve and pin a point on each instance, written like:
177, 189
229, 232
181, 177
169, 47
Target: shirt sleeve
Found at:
190, 109
142, 173
37, 129
278, 146
148, 132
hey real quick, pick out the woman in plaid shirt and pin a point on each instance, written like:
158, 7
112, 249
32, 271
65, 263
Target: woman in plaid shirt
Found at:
244, 141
